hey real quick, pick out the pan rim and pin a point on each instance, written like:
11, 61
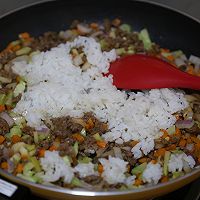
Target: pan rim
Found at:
88, 193
81, 192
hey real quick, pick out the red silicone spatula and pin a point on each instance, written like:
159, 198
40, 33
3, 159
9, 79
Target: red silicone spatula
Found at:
146, 72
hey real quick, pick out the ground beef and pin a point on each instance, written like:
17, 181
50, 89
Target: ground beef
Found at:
63, 127
4, 127
88, 143
66, 149
193, 130
128, 156
92, 180
47, 41
196, 108
28, 130
6, 56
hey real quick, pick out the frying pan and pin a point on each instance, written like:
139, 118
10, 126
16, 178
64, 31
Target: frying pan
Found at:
167, 27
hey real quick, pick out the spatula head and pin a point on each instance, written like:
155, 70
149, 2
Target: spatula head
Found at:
147, 72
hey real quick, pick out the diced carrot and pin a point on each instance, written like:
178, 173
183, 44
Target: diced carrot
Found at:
190, 69
142, 160
24, 35
138, 182
2, 108
17, 47
165, 50
178, 132
100, 168
101, 143
165, 133
171, 147
195, 139
182, 143
24, 158
164, 179
52, 148
4, 165
94, 25
189, 141
133, 143
2, 139
170, 58
19, 168
160, 152
90, 124
41, 152
15, 139
154, 161
78, 137
128, 168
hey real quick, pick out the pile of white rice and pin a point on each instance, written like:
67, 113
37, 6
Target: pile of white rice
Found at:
55, 88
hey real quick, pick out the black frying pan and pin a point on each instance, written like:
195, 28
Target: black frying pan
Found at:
167, 27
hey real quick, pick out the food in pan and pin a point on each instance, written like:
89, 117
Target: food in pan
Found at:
63, 122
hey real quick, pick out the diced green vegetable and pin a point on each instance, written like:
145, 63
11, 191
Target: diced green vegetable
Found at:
139, 169
67, 160
30, 147
2, 99
112, 33
8, 100
27, 168
15, 130
28, 178
177, 174
76, 182
23, 152
177, 53
42, 137
36, 138
23, 51
97, 137
171, 130
120, 51
177, 151
75, 147
15, 158
166, 161
126, 28
144, 36
36, 164
130, 50
32, 152
166, 54
19, 120
16, 42
19, 89
34, 53
17, 146
85, 160
103, 44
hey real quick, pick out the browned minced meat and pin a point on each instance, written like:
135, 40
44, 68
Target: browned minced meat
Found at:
196, 108
88, 144
6, 56
4, 127
128, 156
64, 126
193, 130
47, 41
66, 148
28, 130
93, 180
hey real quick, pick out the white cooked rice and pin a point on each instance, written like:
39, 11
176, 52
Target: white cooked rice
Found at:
85, 169
55, 168
58, 88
